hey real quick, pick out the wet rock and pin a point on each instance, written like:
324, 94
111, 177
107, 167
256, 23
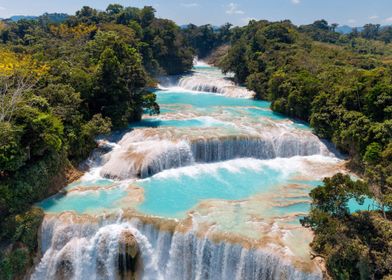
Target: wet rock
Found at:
64, 270
128, 256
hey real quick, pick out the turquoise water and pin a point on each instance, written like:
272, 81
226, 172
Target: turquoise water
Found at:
206, 67
301, 207
173, 193
369, 204
209, 103
172, 196
84, 202
196, 122
205, 100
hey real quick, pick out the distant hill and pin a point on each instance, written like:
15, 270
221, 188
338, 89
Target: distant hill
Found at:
17, 18
185, 26
344, 29
53, 17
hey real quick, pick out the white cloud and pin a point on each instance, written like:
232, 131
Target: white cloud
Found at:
388, 19
233, 9
351, 21
296, 2
2, 8
374, 17
189, 5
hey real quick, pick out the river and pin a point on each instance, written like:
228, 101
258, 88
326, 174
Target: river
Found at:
212, 188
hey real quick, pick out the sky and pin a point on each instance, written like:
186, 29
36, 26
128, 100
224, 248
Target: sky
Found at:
217, 12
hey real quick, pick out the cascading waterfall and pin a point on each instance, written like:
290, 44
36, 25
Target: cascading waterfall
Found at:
92, 251
222, 86
205, 80
97, 250
143, 158
216, 220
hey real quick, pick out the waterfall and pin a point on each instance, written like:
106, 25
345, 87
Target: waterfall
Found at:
136, 158
96, 250
288, 145
205, 79
92, 251
204, 83
218, 235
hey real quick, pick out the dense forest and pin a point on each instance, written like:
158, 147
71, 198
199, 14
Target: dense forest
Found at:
342, 86
64, 80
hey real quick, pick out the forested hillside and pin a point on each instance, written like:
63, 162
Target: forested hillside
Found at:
342, 85
62, 84
64, 80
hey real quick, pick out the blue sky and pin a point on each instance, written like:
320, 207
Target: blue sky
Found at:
238, 12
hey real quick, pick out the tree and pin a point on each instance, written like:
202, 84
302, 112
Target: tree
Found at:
235, 61
147, 16
333, 197
370, 31
87, 15
120, 80
334, 26
12, 153
379, 173
114, 9
278, 33
127, 15
18, 75
321, 24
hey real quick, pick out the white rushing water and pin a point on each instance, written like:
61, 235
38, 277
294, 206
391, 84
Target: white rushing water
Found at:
222, 86
143, 153
225, 178
97, 251
206, 79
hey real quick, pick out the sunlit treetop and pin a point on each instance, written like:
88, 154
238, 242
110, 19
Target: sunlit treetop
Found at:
79, 31
11, 63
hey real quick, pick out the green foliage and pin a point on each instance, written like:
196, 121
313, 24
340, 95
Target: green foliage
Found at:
321, 31
258, 82
14, 264
236, 62
205, 38
117, 85
12, 153
355, 246
26, 227
378, 102
333, 197
278, 33
168, 48
23, 230
373, 153
298, 93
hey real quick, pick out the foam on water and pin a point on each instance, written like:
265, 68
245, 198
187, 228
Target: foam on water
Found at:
145, 152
